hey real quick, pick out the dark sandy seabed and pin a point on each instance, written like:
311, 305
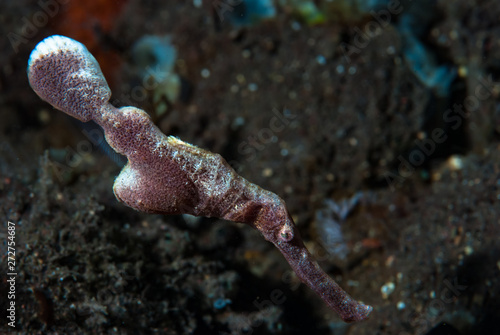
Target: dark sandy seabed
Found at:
421, 246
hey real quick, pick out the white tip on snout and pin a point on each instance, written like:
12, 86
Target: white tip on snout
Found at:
56, 44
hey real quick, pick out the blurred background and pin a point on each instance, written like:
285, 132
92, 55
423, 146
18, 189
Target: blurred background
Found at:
378, 122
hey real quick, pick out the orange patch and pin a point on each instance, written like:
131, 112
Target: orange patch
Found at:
371, 243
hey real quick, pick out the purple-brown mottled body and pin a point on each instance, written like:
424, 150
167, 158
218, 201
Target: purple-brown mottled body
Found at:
168, 176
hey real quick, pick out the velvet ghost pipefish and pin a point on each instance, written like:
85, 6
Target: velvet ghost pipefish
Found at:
165, 175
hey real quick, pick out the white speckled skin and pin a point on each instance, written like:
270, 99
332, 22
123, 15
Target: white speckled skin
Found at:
167, 176
55, 44
63, 73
